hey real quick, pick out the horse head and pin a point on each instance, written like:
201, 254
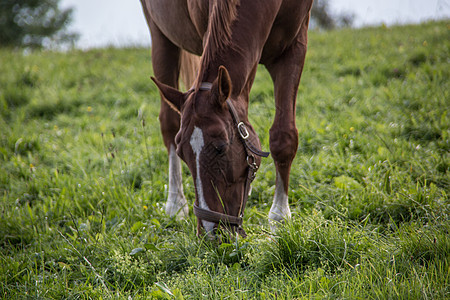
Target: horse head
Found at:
219, 146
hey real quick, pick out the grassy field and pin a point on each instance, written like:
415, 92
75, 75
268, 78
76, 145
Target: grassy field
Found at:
83, 176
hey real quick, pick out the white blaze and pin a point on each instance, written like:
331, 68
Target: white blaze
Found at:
197, 144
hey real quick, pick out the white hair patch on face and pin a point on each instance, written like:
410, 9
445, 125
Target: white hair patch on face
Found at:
197, 144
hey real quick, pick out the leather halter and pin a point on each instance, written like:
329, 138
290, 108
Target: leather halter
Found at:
251, 150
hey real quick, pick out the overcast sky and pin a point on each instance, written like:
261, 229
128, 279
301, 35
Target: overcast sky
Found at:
121, 22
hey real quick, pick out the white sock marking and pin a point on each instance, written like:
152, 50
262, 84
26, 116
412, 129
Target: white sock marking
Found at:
280, 207
197, 144
176, 202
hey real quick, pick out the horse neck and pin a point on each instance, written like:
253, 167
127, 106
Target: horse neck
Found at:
230, 43
241, 70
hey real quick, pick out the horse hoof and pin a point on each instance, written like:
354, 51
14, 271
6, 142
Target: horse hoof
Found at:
277, 217
177, 208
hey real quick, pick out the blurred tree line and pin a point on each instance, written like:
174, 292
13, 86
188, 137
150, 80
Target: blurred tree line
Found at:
41, 23
322, 17
34, 24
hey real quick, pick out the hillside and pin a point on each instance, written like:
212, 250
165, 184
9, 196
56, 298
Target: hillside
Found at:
83, 178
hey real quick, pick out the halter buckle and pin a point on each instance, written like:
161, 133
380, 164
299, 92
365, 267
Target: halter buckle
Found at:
243, 132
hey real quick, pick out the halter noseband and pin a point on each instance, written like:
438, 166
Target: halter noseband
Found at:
251, 150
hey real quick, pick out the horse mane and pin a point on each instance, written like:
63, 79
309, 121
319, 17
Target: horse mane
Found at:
223, 13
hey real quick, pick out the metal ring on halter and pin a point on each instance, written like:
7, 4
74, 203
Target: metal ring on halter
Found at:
243, 130
252, 163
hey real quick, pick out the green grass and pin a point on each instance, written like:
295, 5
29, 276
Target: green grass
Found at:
83, 179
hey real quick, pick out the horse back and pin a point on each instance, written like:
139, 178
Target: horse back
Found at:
174, 20
185, 22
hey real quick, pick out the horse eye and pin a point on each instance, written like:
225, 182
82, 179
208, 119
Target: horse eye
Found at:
221, 148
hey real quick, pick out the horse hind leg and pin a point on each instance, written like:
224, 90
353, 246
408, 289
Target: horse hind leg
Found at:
189, 67
286, 73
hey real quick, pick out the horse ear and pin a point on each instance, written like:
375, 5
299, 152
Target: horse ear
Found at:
224, 84
172, 96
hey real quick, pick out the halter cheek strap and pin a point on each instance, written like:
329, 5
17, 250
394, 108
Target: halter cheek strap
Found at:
251, 150
243, 132
242, 129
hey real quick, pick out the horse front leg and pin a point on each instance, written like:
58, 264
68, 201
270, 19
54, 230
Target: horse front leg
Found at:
286, 73
166, 67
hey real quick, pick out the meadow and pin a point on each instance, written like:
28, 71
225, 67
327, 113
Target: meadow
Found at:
83, 178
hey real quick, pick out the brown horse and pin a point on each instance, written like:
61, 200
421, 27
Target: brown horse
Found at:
208, 125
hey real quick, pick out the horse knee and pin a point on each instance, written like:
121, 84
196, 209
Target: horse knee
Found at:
283, 145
